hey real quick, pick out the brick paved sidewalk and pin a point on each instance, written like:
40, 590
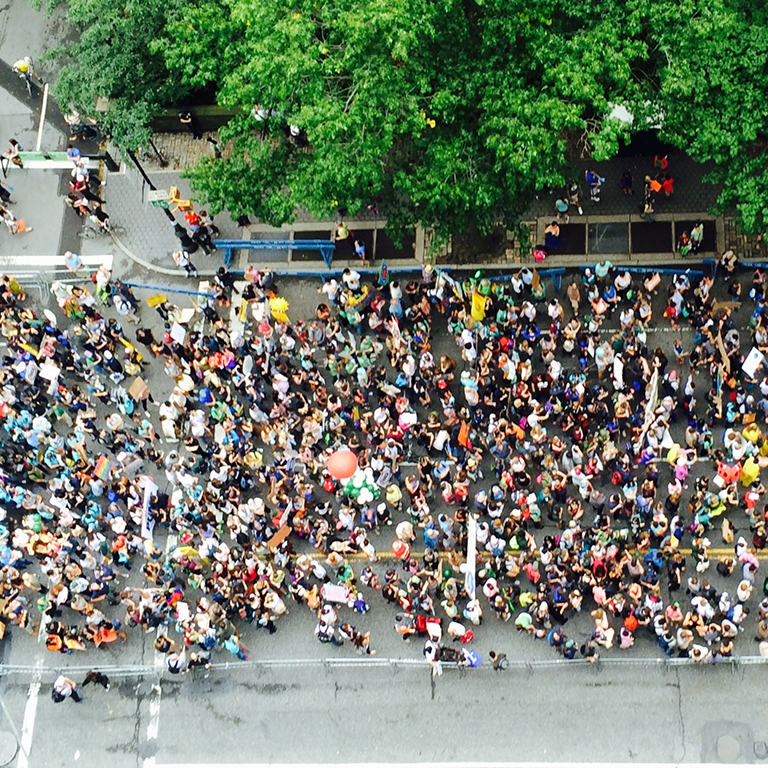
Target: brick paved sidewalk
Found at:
145, 230
691, 194
180, 150
148, 233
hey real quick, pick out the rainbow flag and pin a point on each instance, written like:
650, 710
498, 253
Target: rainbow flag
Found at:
103, 467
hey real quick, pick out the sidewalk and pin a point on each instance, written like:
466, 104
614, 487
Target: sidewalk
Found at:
144, 232
691, 195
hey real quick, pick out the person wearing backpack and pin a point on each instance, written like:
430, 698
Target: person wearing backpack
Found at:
499, 661
65, 688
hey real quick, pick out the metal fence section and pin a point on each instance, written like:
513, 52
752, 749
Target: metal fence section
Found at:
34, 281
531, 665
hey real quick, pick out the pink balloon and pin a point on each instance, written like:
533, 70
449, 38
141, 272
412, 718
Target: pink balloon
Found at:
342, 464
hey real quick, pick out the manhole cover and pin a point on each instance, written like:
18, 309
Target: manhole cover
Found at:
728, 748
8, 747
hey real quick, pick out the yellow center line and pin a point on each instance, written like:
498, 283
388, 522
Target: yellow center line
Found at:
713, 552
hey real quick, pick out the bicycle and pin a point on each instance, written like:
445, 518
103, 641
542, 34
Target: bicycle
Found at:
91, 232
25, 68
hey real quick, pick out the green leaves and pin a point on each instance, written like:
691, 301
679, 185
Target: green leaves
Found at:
111, 60
450, 114
712, 94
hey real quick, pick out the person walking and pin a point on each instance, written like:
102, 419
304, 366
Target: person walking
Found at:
697, 237
234, 645
498, 660
625, 183
189, 121
594, 182
574, 196
99, 678
65, 688
14, 225
186, 242
206, 220
574, 296
5, 195
561, 206
360, 251
183, 261
648, 208
73, 262
202, 236
13, 151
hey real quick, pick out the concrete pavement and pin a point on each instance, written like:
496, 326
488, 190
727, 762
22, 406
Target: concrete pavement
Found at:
318, 715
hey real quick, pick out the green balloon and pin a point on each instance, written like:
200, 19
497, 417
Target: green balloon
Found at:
36, 517
37, 527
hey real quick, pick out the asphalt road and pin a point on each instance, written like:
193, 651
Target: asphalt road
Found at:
400, 714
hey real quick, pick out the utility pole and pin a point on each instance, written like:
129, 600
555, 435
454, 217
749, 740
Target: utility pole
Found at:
160, 158
135, 160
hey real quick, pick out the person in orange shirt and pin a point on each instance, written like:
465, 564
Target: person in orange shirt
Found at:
653, 184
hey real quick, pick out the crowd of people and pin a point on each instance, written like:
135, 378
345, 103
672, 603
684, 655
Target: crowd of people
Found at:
561, 445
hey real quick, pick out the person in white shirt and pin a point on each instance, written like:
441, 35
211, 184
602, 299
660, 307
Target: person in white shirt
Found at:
351, 279
331, 290
555, 310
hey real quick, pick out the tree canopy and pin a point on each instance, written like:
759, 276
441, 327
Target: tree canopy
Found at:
449, 113
713, 71
110, 60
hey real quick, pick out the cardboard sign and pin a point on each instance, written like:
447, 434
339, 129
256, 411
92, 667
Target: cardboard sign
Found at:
49, 372
139, 389
335, 593
30, 372
279, 537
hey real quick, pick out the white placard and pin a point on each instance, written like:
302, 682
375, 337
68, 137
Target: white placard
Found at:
752, 362
147, 518
178, 333
49, 371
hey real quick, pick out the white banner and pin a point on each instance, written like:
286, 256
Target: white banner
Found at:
470, 582
147, 518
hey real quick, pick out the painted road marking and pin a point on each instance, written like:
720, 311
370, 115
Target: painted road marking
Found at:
30, 715
457, 764
51, 263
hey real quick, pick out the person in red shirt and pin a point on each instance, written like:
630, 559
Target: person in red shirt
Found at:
668, 185
193, 220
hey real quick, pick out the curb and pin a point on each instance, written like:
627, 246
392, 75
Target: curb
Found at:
574, 262
152, 267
